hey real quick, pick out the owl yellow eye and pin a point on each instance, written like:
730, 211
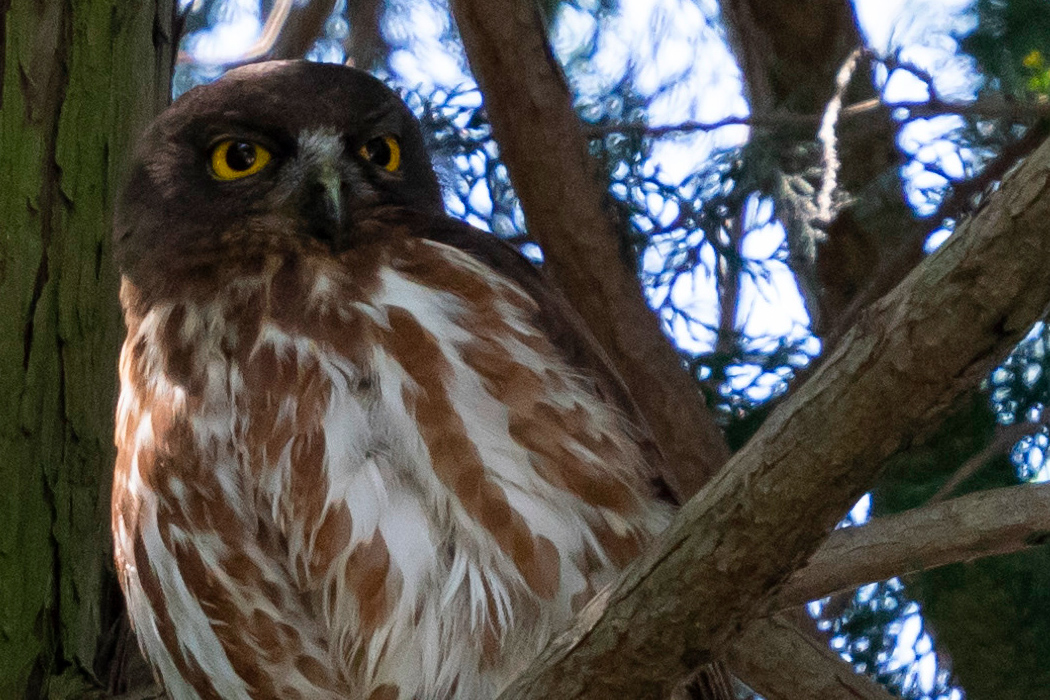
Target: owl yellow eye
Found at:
233, 159
384, 151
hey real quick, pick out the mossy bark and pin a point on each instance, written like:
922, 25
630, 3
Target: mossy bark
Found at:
78, 80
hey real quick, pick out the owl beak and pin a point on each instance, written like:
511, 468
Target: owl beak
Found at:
326, 209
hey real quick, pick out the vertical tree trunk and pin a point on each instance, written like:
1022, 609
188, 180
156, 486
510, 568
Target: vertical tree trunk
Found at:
77, 81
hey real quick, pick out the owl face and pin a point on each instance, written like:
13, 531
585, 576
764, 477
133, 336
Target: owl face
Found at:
287, 148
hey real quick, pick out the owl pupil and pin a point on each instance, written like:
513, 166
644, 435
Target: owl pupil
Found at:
378, 151
240, 156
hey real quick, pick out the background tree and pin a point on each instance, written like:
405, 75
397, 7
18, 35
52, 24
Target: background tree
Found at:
862, 389
77, 80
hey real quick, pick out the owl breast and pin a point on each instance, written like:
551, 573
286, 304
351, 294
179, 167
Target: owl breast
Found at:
385, 484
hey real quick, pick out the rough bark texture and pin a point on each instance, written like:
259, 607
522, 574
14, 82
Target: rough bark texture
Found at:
541, 142
780, 662
530, 108
77, 80
894, 375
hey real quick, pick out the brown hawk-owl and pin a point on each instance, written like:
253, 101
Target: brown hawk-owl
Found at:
364, 451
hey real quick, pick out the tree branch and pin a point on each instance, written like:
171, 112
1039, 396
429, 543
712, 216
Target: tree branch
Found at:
1006, 436
984, 524
938, 333
777, 659
908, 249
780, 662
543, 147
288, 32
304, 26
989, 108
366, 47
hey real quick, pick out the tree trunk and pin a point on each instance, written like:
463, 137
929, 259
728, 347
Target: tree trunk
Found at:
77, 82
790, 53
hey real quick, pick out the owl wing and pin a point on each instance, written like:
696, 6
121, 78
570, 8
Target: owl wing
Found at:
564, 327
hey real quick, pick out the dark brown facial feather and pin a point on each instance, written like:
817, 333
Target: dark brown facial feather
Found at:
169, 176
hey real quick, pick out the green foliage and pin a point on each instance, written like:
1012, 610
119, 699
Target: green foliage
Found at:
912, 477
1006, 34
994, 616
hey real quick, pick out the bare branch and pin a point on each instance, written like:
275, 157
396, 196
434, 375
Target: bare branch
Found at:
365, 46
781, 662
963, 193
289, 32
909, 249
271, 30
984, 524
302, 29
937, 334
542, 145
728, 268
988, 108
1006, 437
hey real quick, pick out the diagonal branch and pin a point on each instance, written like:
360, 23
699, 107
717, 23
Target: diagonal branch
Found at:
908, 250
544, 149
895, 373
779, 661
984, 524
288, 32
302, 28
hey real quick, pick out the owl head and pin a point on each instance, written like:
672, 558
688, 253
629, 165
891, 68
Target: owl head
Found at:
292, 149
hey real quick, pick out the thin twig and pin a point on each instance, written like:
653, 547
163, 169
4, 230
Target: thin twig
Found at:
1005, 438
989, 108
964, 191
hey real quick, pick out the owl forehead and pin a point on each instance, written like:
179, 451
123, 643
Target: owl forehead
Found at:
292, 98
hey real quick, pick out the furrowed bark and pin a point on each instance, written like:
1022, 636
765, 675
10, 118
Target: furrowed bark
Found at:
894, 375
542, 144
78, 81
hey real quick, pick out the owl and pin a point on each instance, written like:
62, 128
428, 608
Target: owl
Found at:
364, 450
